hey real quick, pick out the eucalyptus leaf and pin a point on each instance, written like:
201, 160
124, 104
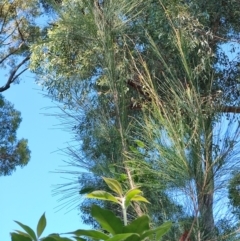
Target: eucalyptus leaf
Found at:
140, 143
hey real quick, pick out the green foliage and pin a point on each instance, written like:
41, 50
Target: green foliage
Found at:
137, 230
19, 29
13, 152
146, 85
123, 200
29, 233
112, 226
234, 192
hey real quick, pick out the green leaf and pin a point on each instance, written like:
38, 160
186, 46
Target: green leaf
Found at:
107, 220
134, 150
124, 236
114, 185
41, 225
159, 231
48, 239
90, 233
28, 230
122, 177
86, 190
22, 233
139, 198
163, 229
139, 225
80, 239
140, 143
102, 195
130, 194
19, 237
61, 239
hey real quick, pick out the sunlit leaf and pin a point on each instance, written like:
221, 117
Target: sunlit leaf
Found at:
114, 185
139, 198
102, 195
130, 194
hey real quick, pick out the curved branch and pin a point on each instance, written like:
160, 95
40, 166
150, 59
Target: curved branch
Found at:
12, 52
13, 76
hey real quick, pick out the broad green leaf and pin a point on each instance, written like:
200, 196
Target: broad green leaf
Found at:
107, 220
102, 195
124, 236
80, 239
114, 185
139, 225
61, 239
163, 229
22, 233
139, 198
19, 237
133, 238
86, 190
41, 225
48, 239
140, 143
159, 231
90, 233
28, 230
130, 194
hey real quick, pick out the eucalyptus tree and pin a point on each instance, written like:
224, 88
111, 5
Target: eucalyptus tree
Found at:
13, 153
146, 84
20, 26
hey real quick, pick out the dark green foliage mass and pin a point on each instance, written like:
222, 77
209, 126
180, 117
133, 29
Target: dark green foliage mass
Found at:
13, 152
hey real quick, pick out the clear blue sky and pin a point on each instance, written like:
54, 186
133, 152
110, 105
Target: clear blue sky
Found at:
27, 193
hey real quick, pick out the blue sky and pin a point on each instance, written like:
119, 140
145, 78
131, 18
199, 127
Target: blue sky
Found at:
27, 193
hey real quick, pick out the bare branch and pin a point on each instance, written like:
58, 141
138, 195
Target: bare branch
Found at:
12, 52
230, 109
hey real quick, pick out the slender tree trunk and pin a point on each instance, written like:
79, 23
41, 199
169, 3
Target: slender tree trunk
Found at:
206, 188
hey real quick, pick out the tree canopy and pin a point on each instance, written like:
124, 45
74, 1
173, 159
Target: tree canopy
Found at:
13, 153
152, 97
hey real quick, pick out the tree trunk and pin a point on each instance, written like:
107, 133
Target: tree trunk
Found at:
206, 188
